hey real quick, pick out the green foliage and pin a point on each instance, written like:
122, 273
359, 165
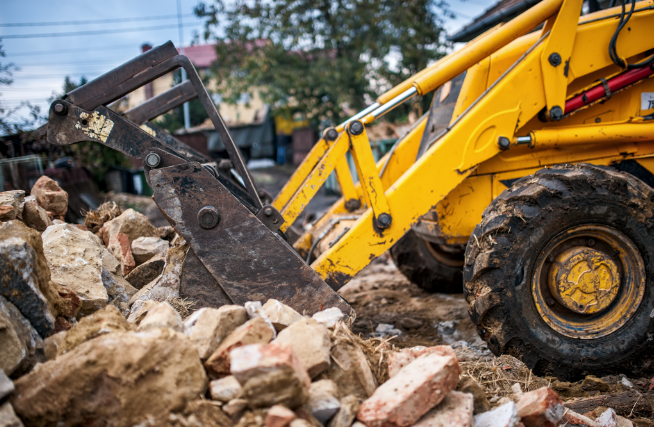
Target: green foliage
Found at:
174, 119
97, 158
318, 56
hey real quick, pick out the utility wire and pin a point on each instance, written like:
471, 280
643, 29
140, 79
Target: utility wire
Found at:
96, 21
84, 49
87, 33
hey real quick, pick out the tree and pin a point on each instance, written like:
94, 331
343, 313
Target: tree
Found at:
8, 121
317, 56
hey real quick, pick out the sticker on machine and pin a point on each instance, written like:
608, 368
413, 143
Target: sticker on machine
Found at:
647, 100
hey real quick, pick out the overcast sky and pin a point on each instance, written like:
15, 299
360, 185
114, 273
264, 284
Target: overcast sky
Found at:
50, 56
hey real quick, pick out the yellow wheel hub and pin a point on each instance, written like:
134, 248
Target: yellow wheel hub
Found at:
588, 281
584, 280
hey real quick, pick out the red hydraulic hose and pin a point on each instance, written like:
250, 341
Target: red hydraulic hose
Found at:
607, 88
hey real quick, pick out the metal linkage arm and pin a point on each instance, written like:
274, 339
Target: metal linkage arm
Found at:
146, 68
160, 104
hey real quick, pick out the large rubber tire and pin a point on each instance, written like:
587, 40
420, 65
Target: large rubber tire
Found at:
416, 261
504, 248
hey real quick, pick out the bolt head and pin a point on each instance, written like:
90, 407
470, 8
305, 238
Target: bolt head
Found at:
556, 113
550, 301
555, 59
60, 109
208, 217
268, 211
590, 242
331, 134
384, 220
356, 127
504, 143
152, 160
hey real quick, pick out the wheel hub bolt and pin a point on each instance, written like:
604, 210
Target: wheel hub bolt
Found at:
590, 242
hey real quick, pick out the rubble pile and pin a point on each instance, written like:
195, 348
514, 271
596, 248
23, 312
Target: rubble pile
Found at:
93, 332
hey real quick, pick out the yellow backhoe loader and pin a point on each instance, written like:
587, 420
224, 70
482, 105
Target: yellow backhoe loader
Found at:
530, 179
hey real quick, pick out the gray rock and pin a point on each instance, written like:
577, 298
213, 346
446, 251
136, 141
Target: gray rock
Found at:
146, 272
19, 283
11, 204
345, 416
6, 385
22, 346
117, 287
323, 402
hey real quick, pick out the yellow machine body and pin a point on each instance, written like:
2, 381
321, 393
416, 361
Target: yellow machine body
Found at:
510, 85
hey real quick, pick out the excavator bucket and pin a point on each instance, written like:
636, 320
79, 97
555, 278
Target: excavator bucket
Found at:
237, 250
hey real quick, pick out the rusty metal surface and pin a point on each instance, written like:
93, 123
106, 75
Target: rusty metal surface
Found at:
248, 261
270, 217
199, 286
89, 95
177, 145
162, 103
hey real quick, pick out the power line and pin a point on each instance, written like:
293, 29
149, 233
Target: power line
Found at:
96, 21
88, 61
88, 33
85, 49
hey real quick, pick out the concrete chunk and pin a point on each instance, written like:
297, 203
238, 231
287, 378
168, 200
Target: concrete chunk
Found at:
146, 248
162, 316
119, 246
454, 411
399, 359
279, 416
540, 408
208, 327
225, 389
19, 283
75, 260
117, 379
254, 331
280, 314
131, 223
502, 416
50, 197
34, 216
310, 343
329, 317
99, 323
11, 204
21, 347
8, 417
410, 394
270, 374
323, 400
235, 406
146, 272
572, 418
6, 385
347, 413
350, 369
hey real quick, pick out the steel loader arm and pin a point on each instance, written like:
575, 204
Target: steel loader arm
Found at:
237, 254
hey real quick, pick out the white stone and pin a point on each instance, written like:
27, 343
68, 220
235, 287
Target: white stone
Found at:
145, 248
323, 403
454, 411
280, 314
608, 418
502, 416
161, 316
225, 389
254, 309
235, 406
208, 327
310, 343
6, 385
8, 417
329, 317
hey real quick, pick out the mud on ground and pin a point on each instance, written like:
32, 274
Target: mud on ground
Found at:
391, 308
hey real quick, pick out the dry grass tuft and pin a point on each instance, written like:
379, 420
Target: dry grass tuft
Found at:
497, 375
181, 305
106, 212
